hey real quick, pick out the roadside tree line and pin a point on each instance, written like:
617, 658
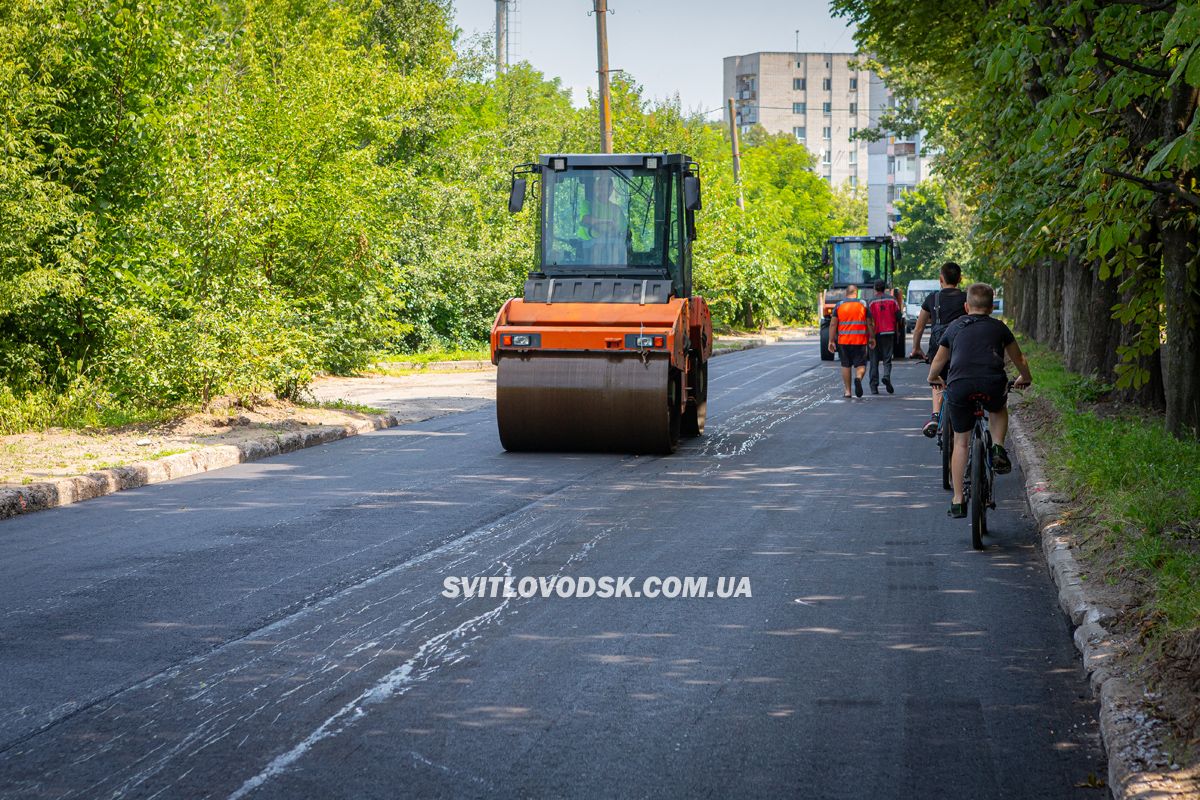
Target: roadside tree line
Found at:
1072, 130
214, 197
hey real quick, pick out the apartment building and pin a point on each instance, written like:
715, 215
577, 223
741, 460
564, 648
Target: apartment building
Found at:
894, 165
822, 101
815, 97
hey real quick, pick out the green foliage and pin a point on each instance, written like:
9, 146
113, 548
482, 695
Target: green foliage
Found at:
1071, 129
202, 198
936, 228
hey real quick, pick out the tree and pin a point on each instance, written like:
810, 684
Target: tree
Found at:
1072, 130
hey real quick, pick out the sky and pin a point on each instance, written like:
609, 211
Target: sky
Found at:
668, 46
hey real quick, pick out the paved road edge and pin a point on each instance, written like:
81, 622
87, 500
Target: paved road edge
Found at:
1127, 729
78, 488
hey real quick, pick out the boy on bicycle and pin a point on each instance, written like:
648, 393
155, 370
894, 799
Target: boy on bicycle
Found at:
939, 310
974, 347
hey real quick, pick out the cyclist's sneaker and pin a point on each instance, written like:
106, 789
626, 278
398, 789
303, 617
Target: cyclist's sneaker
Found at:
930, 429
874, 390
887, 384
957, 510
858, 387
1000, 461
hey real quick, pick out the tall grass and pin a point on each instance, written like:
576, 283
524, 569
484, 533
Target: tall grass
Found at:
1142, 483
81, 404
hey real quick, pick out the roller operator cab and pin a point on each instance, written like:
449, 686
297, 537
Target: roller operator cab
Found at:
607, 349
857, 260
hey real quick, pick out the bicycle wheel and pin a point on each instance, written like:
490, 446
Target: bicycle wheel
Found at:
979, 492
946, 443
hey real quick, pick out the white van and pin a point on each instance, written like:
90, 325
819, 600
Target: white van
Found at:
917, 292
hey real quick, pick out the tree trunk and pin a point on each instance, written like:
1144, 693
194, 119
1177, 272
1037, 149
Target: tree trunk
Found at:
1089, 347
1181, 351
1074, 309
1049, 304
1023, 301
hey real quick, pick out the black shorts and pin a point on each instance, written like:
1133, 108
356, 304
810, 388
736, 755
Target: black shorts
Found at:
962, 408
853, 355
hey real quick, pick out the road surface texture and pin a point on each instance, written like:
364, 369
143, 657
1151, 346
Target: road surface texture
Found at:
277, 629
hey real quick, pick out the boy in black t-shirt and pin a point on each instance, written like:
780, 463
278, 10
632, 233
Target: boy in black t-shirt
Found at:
973, 348
938, 311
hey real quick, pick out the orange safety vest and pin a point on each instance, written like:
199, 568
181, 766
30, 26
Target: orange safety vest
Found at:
852, 322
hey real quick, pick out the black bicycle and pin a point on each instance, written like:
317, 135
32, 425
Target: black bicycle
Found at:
980, 478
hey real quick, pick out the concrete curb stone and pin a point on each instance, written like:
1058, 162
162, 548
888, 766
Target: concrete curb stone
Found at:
1137, 767
77, 488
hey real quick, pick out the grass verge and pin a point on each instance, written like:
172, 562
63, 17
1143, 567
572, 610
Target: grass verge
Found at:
81, 405
1139, 484
346, 405
480, 354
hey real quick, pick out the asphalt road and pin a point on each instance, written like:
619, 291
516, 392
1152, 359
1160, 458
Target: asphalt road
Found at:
278, 630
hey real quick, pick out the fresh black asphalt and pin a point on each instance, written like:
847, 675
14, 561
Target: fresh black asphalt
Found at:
277, 629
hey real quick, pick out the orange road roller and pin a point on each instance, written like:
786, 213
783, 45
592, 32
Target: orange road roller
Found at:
608, 349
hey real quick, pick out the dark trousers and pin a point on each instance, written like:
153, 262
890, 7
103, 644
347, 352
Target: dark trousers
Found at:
881, 354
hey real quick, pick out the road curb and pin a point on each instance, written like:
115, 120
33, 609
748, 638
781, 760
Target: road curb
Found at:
748, 344
77, 488
1138, 769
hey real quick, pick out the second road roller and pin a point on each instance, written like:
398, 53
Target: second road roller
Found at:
608, 348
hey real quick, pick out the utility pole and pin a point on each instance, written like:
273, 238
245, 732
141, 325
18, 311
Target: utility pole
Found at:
600, 7
737, 155
501, 35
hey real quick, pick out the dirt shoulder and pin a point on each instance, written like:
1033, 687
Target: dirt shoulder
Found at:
30, 458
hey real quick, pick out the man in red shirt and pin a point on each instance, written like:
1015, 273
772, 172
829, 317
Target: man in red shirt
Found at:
884, 312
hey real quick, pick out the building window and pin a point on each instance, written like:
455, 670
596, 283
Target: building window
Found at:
799, 108
801, 133
799, 84
891, 166
827, 132
853, 156
826, 157
828, 63
854, 84
854, 180
891, 195
827, 84
827, 108
852, 132
853, 109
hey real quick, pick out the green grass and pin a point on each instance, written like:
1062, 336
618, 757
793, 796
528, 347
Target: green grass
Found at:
81, 406
164, 453
345, 405
481, 354
1138, 480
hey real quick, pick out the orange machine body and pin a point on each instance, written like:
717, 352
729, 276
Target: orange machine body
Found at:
675, 328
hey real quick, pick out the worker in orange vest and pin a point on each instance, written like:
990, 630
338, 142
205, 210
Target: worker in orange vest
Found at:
851, 332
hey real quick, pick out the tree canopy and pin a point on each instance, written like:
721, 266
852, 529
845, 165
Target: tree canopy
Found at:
1072, 130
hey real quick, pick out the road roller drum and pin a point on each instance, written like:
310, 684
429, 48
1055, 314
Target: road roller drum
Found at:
579, 401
